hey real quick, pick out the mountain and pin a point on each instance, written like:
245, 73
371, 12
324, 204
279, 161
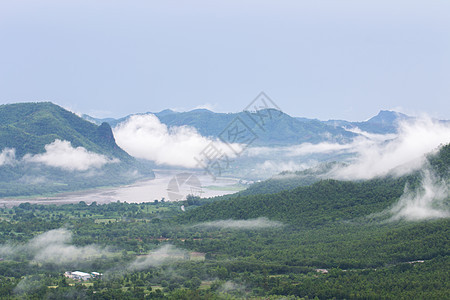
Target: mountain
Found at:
270, 127
28, 127
383, 123
279, 129
45, 148
276, 131
387, 117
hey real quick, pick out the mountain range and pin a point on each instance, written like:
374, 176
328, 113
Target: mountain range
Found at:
297, 235
46, 148
278, 130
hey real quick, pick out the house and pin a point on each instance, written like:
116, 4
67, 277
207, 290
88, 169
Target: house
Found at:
96, 275
77, 275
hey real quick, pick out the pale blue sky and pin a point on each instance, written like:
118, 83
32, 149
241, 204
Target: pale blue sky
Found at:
323, 59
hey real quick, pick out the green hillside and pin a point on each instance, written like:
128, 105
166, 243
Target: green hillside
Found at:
321, 202
287, 180
344, 227
28, 127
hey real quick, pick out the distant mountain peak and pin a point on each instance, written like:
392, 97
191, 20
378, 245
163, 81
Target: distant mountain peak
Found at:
166, 112
387, 117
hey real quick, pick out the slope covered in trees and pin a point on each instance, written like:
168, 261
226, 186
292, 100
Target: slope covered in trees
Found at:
28, 127
28, 168
324, 201
320, 203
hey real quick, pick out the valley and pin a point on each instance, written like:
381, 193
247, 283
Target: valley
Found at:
159, 206
224, 150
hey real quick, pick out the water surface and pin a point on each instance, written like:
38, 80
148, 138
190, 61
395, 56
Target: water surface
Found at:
142, 191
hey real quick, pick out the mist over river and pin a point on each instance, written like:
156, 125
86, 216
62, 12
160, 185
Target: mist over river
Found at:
167, 185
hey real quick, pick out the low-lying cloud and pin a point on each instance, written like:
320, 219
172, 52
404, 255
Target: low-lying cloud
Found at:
54, 246
144, 136
61, 154
7, 156
164, 254
259, 223
230, 287
398, 156
429, 201
368, 155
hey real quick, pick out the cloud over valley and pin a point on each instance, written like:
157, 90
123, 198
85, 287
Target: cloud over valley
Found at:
144, 136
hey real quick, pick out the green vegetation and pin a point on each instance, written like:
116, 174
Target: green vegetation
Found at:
336, 241
363, 260
286, 181
323, 202
28, 127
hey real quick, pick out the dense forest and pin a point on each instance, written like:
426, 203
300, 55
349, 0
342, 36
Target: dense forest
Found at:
403, 259
330, 240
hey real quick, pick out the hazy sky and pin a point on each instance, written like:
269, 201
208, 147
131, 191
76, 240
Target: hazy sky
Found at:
323, 59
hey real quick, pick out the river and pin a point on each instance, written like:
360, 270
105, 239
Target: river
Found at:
168, 184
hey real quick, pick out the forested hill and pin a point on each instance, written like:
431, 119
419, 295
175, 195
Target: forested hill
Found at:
28, 127
322, 202
288, 180
440, 161
30, 167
